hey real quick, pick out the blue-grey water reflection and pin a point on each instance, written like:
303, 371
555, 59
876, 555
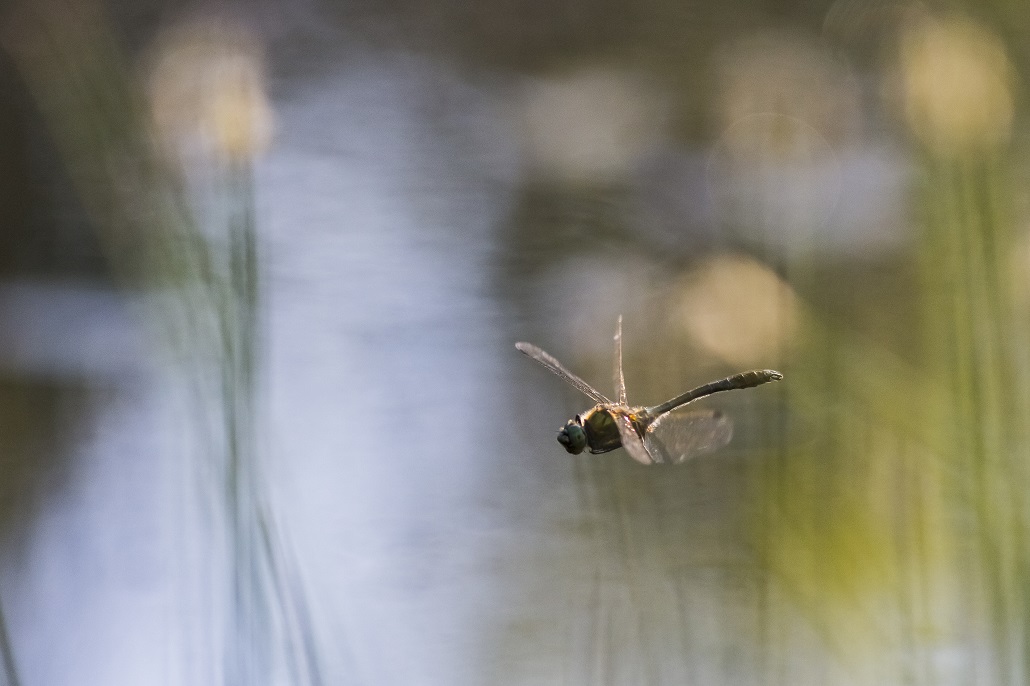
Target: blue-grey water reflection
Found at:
387, 362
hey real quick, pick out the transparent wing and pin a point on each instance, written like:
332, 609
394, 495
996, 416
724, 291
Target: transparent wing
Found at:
677, 436
631, 441
555, 366
620, 381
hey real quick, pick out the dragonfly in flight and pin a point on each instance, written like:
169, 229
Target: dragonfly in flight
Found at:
663, 434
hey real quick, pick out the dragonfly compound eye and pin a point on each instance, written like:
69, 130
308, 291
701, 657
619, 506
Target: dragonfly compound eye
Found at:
573, 437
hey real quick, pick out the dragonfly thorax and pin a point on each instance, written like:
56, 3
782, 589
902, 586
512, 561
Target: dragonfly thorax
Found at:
594, 429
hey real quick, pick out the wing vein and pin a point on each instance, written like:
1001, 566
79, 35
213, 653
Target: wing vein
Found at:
557, 368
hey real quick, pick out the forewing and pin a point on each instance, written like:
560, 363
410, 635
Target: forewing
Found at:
555, 366
620, 381
680, 435
631, 440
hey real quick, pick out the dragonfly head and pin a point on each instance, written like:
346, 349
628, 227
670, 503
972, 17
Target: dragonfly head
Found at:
572, 436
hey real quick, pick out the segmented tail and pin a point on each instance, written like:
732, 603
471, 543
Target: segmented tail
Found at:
750, 379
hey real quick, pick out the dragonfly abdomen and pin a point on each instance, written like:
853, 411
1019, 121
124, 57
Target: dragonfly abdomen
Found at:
749, 379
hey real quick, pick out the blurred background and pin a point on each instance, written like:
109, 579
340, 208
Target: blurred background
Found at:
262, 267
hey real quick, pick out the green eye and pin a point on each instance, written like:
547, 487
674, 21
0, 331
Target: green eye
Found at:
573, 437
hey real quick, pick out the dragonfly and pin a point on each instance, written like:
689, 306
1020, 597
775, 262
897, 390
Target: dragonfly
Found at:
662, 434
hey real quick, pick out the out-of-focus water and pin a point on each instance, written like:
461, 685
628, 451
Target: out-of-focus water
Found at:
441, 534
388, 356
406, 515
